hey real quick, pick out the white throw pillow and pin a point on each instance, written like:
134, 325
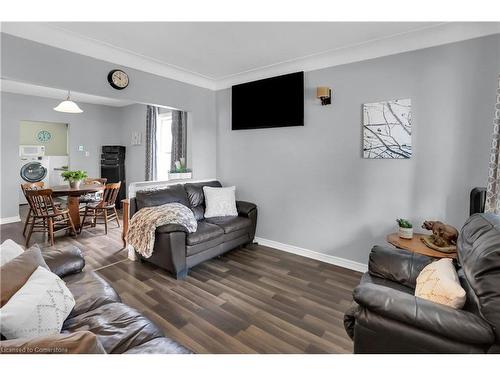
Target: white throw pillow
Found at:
8, 251
438, 282
39, 308
220, 201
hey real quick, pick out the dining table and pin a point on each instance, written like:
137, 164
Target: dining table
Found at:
74, 195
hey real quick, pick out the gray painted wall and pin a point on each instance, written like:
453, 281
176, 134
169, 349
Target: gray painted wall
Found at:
313, 188
31, 62
133, 119
96, 126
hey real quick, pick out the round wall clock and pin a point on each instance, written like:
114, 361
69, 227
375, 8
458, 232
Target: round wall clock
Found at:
118, 79
43, 136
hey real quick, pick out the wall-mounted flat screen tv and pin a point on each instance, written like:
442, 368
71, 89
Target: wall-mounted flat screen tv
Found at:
269, 103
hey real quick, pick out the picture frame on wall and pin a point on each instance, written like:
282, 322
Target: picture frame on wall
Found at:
387, 129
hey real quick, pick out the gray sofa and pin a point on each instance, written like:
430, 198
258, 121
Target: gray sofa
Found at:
175, 249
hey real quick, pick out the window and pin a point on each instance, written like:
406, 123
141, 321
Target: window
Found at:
164, 145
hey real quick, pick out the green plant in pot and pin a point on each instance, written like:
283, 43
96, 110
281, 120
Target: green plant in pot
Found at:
180, 166
74, 178
405, 229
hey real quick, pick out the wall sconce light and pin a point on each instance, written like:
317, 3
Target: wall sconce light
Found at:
324, 94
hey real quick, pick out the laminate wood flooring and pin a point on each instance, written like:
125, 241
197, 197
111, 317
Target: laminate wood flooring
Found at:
254, 299
251, 300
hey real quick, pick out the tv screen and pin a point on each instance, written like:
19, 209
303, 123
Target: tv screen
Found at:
269, 103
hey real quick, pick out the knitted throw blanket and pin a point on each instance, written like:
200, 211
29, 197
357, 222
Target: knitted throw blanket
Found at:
142, 227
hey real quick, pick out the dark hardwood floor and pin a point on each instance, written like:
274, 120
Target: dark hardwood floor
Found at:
251, 300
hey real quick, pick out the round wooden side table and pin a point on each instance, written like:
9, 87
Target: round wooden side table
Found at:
417, 246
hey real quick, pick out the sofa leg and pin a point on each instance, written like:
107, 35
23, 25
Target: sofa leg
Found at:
251, 245
181, 275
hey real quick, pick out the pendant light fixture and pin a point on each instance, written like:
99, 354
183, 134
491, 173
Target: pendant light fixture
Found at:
68, 106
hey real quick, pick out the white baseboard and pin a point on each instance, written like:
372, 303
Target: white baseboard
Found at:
8, 220
341, 262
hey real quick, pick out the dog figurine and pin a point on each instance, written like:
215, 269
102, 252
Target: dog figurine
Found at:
442, 234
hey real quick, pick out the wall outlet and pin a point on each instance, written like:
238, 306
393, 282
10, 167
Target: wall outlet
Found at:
87, 153
80, 148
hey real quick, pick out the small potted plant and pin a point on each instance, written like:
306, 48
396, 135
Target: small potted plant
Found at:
74, 178
405, 229
179, 171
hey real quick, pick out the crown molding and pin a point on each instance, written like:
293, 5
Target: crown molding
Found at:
429, 37
424, 38
69, 41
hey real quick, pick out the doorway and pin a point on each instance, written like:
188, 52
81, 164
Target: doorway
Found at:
43, 153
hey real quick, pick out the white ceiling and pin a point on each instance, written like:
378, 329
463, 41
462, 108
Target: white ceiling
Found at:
217, 50
22, 88
219, 54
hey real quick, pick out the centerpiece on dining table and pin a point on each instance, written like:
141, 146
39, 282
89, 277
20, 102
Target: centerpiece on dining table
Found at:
74, 178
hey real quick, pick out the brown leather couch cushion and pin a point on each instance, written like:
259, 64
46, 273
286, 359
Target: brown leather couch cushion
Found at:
14, 274
82, 342
366, 278
204, 233
65, 261
90, 292
118, 327
231, 223
152, 198
203, 247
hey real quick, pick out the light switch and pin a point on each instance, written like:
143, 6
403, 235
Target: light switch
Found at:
136, 139
80, 148
87, 153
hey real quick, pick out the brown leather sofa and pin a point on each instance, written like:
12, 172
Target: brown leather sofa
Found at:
99, 309
388, 318
175, 249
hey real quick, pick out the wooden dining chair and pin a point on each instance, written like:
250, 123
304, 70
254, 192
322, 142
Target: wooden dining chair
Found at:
47, 217
104, 209
92, 197
94, 180
30, 186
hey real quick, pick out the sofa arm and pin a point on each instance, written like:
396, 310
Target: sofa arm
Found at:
244, 208
400, 266
439, 319
169, 253
64, 262
170, 228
